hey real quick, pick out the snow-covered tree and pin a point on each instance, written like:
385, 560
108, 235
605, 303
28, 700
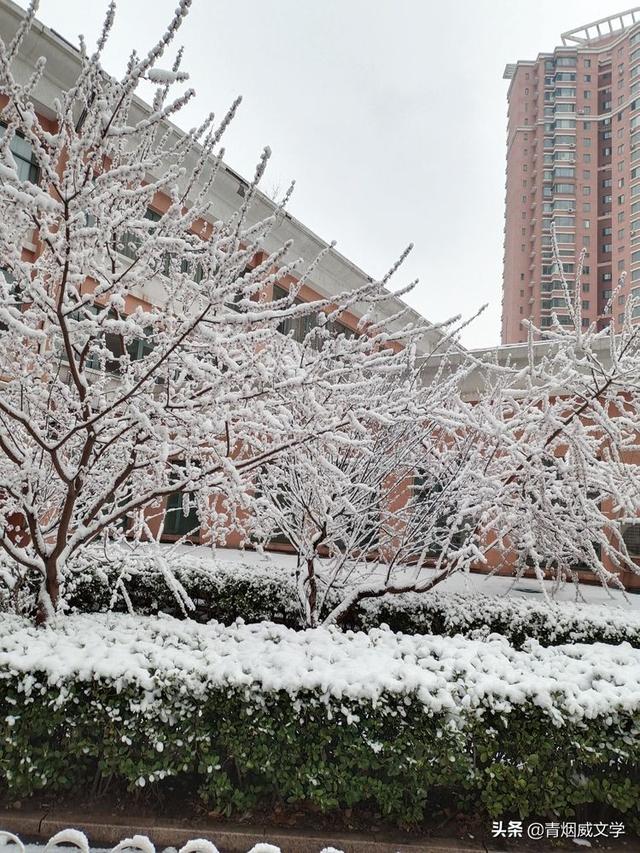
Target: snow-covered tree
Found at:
567, 450
142, 370
138, 350
364, 507
533, 469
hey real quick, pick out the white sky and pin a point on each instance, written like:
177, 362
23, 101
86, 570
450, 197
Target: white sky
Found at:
390, 115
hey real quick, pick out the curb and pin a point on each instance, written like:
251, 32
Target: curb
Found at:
228, 838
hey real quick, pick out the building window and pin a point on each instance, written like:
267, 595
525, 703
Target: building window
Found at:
631, 539
176, 522
23, 155
129, 243
140, 348
15, 299
299, 327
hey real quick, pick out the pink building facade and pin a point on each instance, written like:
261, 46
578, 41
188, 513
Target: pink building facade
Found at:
573, 160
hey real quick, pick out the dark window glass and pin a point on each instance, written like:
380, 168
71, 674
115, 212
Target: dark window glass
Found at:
23, 156
176, 522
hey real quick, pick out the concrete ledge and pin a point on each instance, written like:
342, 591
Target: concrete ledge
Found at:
228, 838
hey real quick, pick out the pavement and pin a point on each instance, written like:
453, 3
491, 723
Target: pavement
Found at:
228, 838
107, 831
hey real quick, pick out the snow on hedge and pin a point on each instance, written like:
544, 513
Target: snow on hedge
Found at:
467, 611
451, 675
223, 589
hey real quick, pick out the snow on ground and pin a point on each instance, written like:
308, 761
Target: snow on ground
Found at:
11, 844
493, 585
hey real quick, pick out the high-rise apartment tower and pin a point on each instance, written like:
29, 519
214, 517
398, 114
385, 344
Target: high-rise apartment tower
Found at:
573, 161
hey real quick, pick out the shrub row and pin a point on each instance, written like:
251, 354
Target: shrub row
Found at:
251, 714
225, 591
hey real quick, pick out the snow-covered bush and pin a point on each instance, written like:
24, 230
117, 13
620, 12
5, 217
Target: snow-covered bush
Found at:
218, 590
226, 591
517, 619
251, 711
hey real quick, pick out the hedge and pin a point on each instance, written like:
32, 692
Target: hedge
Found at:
251, 714
225, 591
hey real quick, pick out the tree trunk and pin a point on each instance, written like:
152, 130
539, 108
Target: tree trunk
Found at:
312, 593
49, 593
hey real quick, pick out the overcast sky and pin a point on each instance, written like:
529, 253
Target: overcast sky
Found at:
390, 115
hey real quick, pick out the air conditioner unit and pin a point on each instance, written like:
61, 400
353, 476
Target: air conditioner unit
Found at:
572, 145
570, 210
